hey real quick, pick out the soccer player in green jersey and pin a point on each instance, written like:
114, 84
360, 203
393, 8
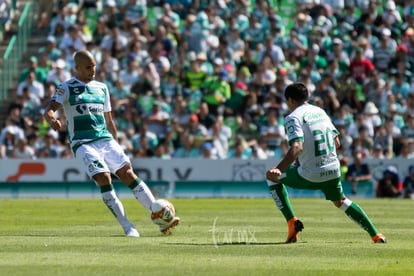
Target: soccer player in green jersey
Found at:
93, 137
313, 140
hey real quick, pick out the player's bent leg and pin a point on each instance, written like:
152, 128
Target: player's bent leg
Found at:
113, 203
143, 194
126, 173
102, 179
281, 199
138, 187
280, 196
357, 214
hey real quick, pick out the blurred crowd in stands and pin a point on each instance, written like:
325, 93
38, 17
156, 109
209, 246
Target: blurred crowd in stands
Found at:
205, 79
7, 12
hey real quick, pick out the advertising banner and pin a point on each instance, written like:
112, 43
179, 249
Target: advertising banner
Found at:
61, 170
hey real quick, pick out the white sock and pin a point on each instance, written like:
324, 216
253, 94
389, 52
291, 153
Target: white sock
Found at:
345, 204
270, 183
143, 194
113, 203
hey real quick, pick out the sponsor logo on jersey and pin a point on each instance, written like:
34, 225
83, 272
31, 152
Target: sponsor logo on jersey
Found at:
95, 109
81, 109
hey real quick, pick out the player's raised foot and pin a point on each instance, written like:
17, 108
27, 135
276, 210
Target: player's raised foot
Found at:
132, 233
379, 238
165, 229
294, 227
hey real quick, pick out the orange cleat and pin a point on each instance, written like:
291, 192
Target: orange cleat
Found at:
379, 238
166, 229
294, 227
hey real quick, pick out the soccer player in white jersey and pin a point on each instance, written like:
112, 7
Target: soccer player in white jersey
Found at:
313, 140
93, 137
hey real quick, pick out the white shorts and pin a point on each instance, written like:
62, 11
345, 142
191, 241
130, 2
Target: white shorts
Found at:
102, 156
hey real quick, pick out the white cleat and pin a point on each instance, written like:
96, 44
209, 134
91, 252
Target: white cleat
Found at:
132, 232
165, 229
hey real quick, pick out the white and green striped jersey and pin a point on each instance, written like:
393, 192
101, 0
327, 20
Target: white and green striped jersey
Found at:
84, 105
311, 125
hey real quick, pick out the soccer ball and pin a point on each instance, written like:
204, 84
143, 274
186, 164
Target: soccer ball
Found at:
162, 211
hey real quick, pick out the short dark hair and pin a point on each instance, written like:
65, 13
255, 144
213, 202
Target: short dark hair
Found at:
297, 91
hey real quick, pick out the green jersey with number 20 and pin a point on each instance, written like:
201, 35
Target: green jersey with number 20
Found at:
312, 126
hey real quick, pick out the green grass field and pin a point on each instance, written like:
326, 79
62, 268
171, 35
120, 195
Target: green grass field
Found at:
216, 237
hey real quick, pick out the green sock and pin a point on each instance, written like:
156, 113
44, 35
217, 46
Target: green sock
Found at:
107, 188
361, 218
280, 196
134, 183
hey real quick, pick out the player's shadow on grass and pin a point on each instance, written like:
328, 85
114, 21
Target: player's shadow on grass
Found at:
227, 244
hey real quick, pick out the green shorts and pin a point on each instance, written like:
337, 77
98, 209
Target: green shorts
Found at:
332, 188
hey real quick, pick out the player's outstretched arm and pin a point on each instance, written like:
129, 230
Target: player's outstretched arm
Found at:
50, 115
291, 156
